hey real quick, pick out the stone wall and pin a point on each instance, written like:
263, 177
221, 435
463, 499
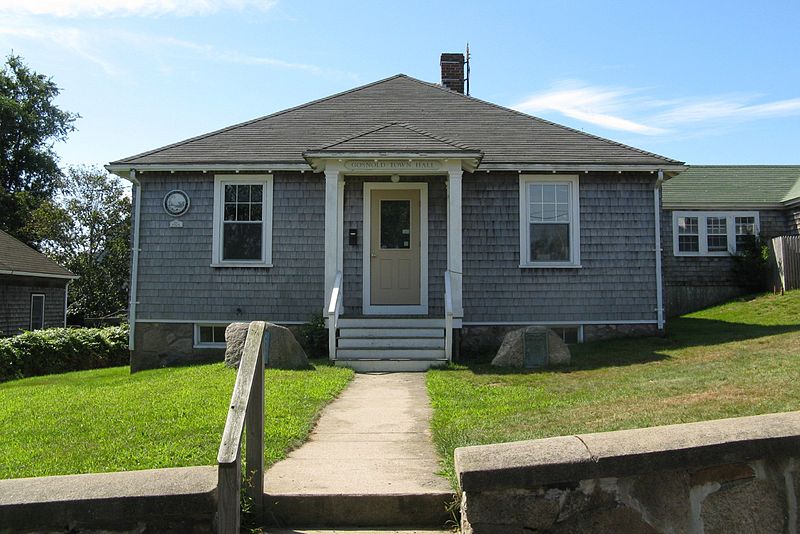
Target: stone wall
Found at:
729, 475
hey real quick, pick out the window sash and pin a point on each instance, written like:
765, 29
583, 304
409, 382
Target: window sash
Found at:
549, 217
210, 335
242, 203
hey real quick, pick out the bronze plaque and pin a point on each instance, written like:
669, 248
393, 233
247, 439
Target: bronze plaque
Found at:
535, 349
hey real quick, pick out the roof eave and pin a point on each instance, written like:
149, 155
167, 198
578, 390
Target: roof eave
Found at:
12, 272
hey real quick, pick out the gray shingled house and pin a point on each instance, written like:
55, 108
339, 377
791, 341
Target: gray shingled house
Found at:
416, 219
33, 288
709, 213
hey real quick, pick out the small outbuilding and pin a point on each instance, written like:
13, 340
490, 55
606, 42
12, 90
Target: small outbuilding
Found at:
33, 288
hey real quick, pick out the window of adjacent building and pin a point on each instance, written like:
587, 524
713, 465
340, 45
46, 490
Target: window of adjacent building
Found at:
712, 233
37, 311
242, 220
688, 234
549, 221
745, 231
717, 234
209, 335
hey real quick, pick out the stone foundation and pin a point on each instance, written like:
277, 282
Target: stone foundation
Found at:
596, 332
484, 341
166, 344
729, 475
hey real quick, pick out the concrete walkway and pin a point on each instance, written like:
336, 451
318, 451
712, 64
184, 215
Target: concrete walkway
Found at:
369, 461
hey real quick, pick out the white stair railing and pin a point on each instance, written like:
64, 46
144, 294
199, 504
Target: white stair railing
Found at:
333, 312
448, 317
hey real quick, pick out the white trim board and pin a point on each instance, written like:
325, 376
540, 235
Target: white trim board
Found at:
367, 307
205, 322
559, 323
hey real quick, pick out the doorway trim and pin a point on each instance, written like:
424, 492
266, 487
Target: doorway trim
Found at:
366, 291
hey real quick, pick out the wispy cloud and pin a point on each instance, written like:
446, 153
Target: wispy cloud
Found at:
121, 8
97, 46
633, 110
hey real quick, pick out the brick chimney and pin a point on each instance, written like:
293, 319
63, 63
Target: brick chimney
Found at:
453, 72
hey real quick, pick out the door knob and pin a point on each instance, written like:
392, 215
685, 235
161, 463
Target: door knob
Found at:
373, 255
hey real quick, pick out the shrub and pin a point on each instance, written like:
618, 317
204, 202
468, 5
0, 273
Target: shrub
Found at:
751, 267
59, 350
314, 337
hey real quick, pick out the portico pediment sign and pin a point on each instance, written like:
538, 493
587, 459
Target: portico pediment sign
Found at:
393, 165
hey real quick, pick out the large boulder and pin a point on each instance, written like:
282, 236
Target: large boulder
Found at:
284, 350
512, 351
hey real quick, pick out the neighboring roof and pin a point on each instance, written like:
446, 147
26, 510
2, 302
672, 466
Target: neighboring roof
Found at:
17, 258
745, 185
503, 135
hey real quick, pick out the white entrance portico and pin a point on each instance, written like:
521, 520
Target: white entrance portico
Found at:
404, 201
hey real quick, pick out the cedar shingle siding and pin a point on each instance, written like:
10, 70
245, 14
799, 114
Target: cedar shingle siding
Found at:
617, 280
15, 296
176, 281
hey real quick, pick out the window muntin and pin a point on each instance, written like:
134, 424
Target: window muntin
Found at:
717, 234
549, 221
712, 233
688, 234
37, 311
242, 221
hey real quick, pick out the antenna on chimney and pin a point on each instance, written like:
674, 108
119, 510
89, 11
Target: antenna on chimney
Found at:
466, 63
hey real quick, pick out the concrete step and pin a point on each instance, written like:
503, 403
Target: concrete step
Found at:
399, 333
390, 354
378, 510
389, 322
390, 366
390, 343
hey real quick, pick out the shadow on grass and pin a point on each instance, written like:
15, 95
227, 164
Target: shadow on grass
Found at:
682, 333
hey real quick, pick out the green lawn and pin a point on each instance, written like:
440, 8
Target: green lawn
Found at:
741, 358
110, 420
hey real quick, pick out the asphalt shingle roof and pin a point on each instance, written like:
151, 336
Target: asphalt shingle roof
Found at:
734, 184
400, 137
502, 134
17, 257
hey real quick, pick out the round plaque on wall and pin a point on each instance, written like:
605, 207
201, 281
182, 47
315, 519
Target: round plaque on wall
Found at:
176, 202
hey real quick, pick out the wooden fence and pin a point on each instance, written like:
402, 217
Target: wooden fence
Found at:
246, 411
784, 252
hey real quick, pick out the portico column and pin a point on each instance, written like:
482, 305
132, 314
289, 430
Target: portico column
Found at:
332, 242
454, 231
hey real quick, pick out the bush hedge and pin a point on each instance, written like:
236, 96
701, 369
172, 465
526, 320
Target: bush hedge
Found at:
59, 350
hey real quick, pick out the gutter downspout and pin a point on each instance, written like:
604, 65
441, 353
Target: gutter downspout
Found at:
66, 297
137, 201
659, 282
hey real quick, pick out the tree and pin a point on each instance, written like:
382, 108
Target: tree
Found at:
29, 125
87, 230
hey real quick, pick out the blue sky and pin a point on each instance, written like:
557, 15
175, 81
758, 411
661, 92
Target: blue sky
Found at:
704, 82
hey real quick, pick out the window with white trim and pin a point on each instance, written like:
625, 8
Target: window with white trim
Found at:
209, 335
712, 233
549, 221
242, 235
37, 311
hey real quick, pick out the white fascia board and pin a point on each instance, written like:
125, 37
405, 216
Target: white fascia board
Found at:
40, 275
578, 167
123, 169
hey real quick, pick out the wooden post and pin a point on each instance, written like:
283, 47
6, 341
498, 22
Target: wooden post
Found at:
254, 425
229, 487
